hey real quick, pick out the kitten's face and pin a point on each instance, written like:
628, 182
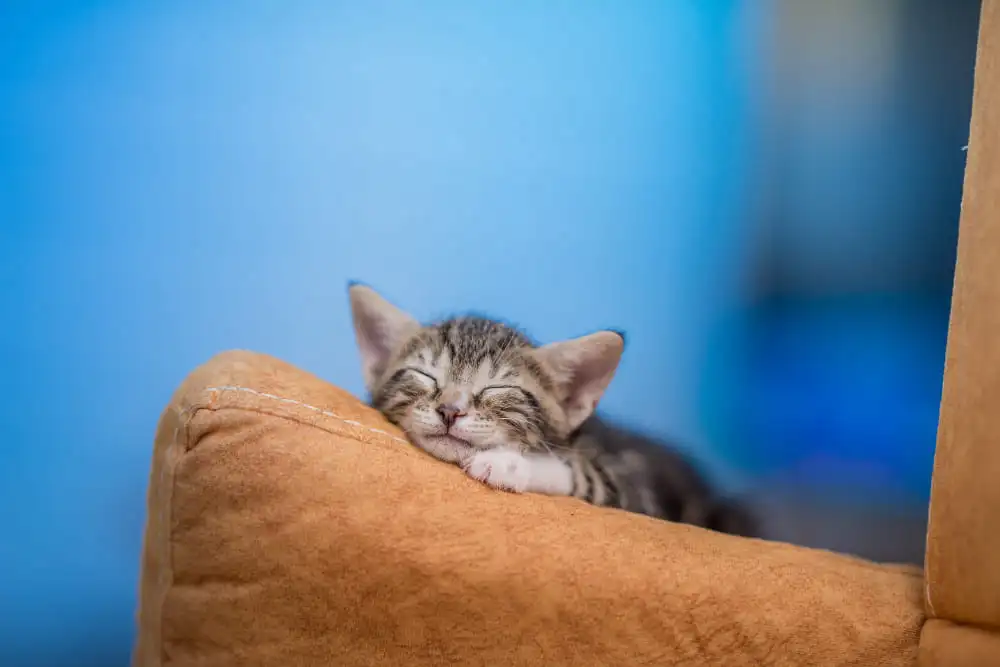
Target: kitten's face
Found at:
471, 384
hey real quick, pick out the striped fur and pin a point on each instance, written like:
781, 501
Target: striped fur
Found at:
525, 419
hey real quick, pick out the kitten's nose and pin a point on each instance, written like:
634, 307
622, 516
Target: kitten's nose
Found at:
449, 413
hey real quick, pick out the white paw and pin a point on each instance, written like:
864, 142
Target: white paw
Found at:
501, 469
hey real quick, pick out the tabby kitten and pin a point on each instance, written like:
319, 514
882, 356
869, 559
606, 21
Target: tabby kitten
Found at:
519, 417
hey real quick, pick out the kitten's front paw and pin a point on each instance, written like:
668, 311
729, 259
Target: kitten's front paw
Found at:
500, 469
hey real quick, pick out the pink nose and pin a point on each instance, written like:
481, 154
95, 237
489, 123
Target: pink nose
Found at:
449, 413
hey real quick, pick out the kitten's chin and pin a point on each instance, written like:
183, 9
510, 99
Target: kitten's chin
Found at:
446, 447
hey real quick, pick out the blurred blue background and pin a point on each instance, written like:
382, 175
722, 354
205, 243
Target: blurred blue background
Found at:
764, 195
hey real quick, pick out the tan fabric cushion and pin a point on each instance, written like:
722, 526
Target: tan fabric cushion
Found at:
290, 525
947, 644
963, 545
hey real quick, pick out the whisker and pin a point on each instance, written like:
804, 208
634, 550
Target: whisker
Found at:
550, 447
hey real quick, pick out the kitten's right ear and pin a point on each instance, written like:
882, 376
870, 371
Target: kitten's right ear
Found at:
380, 328
583, 368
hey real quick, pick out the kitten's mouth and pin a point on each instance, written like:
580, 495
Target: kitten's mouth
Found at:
450, 439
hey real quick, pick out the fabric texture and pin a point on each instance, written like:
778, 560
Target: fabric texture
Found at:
963, 545
963, 540
947, 644
289, 524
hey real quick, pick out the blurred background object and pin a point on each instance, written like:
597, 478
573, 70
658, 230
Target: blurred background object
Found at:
765, 195
863, 120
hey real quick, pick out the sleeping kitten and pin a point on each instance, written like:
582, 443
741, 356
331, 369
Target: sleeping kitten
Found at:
519, 417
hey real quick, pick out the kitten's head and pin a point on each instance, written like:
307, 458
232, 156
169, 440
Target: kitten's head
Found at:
469, 383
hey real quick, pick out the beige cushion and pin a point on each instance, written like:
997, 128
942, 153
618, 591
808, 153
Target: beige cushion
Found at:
963, 546
291, 525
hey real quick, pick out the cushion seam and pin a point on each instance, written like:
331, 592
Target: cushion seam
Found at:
209, 403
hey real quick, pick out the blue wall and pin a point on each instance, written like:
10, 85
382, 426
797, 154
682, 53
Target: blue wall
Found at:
182, 178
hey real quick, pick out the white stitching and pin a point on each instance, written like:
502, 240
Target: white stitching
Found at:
321, 411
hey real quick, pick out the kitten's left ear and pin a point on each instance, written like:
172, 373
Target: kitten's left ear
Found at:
380, 328
583, 367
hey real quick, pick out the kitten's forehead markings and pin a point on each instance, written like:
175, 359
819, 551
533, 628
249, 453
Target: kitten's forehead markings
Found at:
443, 355
462, 376
436, 350
446, 365
483, 375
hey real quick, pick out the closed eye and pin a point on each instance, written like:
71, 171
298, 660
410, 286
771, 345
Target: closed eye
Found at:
498, 389
424, 378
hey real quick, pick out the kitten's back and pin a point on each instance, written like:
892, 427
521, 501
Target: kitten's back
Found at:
681, 489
